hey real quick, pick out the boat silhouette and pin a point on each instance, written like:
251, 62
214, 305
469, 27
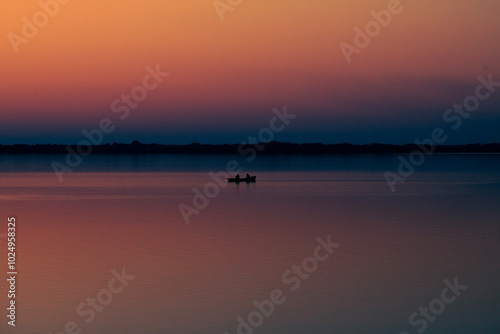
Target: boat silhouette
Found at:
238, 180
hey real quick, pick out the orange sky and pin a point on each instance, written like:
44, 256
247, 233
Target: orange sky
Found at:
265, 54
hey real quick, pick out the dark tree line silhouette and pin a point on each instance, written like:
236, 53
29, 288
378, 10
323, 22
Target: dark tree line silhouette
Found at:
263, 148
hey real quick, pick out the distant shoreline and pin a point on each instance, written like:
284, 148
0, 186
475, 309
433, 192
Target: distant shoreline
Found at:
272, 148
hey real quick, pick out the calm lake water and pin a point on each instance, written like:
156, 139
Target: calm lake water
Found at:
396, 249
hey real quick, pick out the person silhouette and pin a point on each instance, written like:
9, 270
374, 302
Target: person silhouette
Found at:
238, 177
248, 176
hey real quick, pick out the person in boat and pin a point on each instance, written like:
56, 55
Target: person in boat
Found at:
248, 176
237, 177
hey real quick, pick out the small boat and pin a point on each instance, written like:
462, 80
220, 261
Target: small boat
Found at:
246, 179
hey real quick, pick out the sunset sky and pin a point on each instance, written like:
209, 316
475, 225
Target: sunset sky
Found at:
227, 76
